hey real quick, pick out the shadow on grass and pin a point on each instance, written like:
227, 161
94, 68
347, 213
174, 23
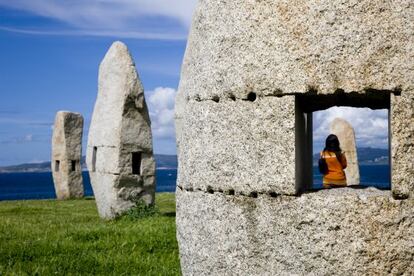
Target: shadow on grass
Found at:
168, 214
89, 198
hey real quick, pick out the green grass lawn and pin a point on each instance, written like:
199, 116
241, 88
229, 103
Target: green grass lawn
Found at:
67, 237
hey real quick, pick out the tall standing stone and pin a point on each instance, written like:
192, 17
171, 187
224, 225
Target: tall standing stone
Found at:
346, 135
119, 154
66, 155
253, 73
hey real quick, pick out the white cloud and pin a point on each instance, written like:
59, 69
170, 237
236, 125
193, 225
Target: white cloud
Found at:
371, 126
23, 121
37, 161
28, 138
154, 19
161, 108
99, 33
163, 98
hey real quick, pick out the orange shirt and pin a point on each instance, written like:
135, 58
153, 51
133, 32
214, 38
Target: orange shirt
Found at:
336, 168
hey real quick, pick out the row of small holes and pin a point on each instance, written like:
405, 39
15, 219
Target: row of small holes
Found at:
229, 192
311, 90
250, 97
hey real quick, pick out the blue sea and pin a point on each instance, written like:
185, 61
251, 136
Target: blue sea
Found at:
17, 186
370, 175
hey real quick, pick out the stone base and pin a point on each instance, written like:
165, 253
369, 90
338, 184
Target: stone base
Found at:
329, 232
116, 194
68, 185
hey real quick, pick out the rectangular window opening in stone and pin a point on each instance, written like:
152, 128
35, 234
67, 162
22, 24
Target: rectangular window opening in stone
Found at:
95, 150
57, 165
362, 126
136, 163
73, 165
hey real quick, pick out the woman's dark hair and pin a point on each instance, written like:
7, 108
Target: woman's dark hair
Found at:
332, 144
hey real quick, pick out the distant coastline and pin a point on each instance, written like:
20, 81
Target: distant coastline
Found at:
163, 162
366, 157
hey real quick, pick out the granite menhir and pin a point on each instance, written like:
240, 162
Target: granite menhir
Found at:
66, 155
346, 135
119, 154
253, 73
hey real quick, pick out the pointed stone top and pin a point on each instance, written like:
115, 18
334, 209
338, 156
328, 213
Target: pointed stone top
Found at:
118, 53
118, 48
118, 44
118, 77
341, 121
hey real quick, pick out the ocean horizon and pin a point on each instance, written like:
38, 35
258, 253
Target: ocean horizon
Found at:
39, 185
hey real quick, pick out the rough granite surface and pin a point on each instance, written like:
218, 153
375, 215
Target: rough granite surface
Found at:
66, 155
251, 71
119, 128
346, 136
252, 150
284, 46
402, 145
329, 232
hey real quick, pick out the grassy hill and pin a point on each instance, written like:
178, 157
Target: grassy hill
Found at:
49, 237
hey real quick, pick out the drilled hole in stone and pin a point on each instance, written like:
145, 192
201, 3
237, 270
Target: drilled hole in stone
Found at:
231, 192
399, 196
397, 91
253, 194
57, 165
251, 96
73, 165
232, 97
210, 190
273, 194
216, 99
312, 90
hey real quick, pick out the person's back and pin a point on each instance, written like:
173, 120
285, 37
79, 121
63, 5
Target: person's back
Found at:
336, 175
336, 163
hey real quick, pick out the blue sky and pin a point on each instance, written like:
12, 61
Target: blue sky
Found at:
50, 51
